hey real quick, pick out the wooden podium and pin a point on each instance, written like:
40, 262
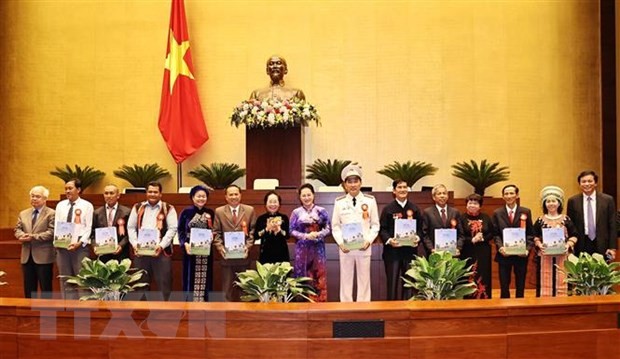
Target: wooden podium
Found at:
274, 153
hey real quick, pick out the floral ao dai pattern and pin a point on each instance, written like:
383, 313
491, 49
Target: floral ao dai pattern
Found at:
310, 259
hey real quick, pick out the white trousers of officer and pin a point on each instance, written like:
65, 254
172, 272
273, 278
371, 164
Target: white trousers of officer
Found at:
360, 264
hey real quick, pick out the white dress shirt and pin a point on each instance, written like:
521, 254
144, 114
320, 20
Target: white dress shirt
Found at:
83, 230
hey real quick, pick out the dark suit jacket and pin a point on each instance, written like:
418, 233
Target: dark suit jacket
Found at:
501, 221
41, 246
432, 221
391, 211
606, 233
100, 220
224, 223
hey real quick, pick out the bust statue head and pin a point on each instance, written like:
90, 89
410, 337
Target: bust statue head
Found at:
276, 69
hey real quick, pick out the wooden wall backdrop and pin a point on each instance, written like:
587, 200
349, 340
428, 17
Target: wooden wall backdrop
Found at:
10, 248
569, 327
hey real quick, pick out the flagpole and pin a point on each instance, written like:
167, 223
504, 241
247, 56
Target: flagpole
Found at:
179, 176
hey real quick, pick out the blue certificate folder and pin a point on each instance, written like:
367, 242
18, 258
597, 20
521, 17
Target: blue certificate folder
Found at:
200, 241
404, 232
105, 240
148, 238
553, 241
353, 236
64, 234
445, 240
514, 241
235, 245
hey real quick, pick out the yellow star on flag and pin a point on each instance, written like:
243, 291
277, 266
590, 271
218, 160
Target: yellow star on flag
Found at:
175, 62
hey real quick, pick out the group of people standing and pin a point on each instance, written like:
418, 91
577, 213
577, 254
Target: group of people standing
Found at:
589, 226
309, 225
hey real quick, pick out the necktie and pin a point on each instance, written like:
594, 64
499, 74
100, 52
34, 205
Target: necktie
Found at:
511, 216
354, 201
444, 218
234, 216
70, 214
35, 215
591, 222
110, 216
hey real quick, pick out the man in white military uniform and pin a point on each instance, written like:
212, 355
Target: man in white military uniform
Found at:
355, 208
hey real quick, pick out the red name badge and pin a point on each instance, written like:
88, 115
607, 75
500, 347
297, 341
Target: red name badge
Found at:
121, 226
365, 214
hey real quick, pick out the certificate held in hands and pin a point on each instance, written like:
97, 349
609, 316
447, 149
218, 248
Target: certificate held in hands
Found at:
514, 241
200, 241
553, 241
353, 236
404, 232
106, 240
235, 245
445, 240
148, 238
64, 234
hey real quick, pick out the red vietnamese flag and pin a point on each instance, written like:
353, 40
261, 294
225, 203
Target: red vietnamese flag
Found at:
180, 117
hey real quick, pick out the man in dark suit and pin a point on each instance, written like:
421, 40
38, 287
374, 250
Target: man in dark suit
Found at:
233, 217
396, 258
594, 215
440, 216
113, 214
35, 231
512, 216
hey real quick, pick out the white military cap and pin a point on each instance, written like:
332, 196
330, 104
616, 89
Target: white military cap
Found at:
351, 170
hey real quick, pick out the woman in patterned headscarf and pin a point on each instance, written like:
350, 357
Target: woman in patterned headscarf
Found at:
554, 236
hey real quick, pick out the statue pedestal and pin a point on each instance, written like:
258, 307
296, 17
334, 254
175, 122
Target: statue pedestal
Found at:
274, 153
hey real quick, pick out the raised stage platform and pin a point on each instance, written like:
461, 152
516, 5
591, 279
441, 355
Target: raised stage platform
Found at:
570, 327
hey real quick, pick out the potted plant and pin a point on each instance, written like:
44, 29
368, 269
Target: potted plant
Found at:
408, 171
88, 175
140, 176
481, 175
270, 282
218, 175
590, 274
441, 277
107, 281
327, 172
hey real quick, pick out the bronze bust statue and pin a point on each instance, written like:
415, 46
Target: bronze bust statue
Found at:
276, 69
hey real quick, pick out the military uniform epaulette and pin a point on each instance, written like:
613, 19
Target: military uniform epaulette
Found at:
369, 196
341, 197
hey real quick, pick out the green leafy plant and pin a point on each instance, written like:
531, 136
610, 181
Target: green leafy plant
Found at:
270, 282
107, 281
327, 172
218, 175
440, 277
88, 175
140, 176
590, 274
2, 274
408, 171
480, 176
